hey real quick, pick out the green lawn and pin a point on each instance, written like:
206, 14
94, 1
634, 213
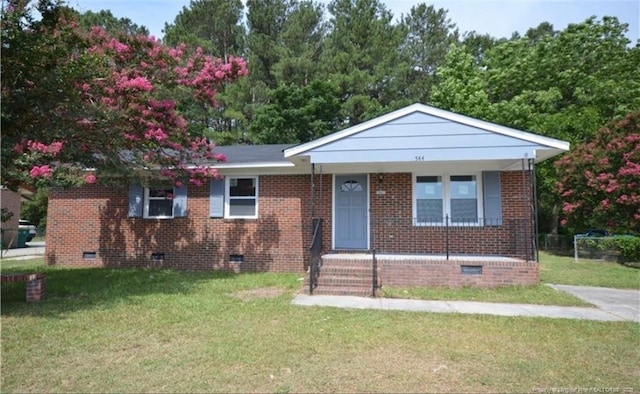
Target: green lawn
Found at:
553, 270
562, 270
103, 330
540, 294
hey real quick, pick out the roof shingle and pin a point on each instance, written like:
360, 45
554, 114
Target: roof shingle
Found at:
237, 154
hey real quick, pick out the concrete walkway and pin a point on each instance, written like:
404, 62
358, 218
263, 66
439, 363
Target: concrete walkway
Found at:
612, 305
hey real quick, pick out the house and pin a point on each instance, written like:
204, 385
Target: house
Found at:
11, 202
11, 208
419, 196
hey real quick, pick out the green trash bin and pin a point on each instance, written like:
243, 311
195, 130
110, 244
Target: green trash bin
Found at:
23, 234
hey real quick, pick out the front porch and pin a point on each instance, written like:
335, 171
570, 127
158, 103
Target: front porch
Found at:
431, 197
395, 248
359, 273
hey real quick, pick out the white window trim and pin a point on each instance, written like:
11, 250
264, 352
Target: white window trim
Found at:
227, 197
145, 212
446, 197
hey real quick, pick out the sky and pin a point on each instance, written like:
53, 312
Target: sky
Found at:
499, 18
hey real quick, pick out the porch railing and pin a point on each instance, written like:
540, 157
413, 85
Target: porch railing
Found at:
316, 254
447, 236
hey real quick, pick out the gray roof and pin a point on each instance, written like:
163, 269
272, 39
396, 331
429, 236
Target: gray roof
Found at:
254, 153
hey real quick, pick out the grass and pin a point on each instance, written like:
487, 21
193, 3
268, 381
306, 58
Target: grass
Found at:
565, 271
541, 295
553, 270
103, 330
13, 265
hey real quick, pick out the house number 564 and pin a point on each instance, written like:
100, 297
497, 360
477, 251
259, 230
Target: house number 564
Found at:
419, 158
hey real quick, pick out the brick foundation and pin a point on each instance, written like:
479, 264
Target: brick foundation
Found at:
353, 274
416, 271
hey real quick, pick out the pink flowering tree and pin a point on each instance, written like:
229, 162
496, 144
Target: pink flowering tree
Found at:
600, 180
87, 107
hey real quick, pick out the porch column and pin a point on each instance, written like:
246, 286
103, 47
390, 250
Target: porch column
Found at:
529, 223
313, 191
534, 194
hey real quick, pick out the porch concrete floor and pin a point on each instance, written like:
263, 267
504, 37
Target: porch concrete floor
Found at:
425, 257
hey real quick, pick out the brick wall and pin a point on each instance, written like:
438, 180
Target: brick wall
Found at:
393, 230
89, 226
36, 288
94, 220
410, 272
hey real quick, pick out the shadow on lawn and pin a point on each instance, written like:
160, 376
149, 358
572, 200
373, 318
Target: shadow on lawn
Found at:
71, 290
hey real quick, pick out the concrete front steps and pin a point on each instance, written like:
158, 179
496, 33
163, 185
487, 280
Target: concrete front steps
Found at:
345, 274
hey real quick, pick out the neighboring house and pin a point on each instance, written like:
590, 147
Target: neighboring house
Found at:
11, 204
11, 201
442, 199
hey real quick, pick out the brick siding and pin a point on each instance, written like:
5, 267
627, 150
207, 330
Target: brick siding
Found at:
393, 230
95, 220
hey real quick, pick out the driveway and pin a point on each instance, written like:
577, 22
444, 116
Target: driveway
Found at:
33, 250
622, 303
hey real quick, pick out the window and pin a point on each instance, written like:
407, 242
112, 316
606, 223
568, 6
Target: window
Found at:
429, 199
242, 197
166, 202
234, 197
464, 199
456, 197
158, 203
351, 186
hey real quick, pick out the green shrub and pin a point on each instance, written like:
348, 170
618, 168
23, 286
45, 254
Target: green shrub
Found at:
626, 246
